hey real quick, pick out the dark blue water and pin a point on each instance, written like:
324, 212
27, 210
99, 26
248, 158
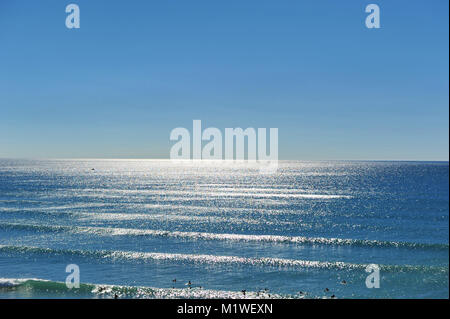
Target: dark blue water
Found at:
134, 226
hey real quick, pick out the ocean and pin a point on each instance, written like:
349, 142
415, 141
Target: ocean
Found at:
162, 229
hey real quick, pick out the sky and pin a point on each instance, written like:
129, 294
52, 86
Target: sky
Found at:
135, 70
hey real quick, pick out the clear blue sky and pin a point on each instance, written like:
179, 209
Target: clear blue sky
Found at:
135, 70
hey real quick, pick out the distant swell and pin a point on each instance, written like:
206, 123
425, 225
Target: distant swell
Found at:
109, 231
204, 259
208, 259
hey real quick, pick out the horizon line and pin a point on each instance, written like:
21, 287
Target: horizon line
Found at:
211, 160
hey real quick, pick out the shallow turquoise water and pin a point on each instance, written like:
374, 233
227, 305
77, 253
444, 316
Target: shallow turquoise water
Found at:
134, 226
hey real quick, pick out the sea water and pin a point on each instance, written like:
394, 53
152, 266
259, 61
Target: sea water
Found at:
146, 228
